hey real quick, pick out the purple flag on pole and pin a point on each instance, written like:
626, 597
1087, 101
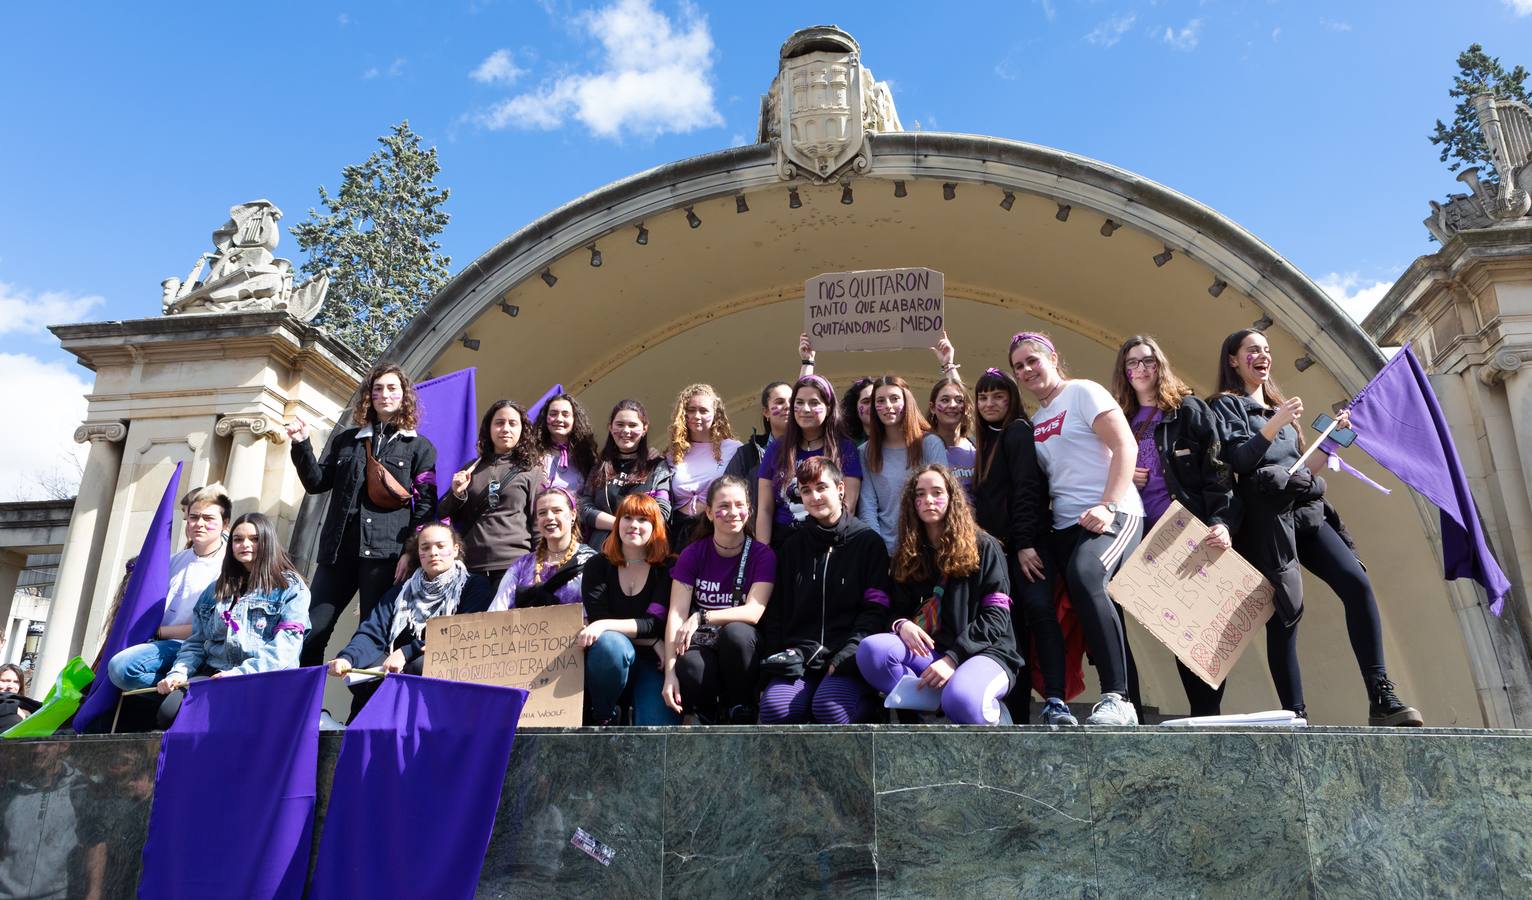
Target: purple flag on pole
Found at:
142, 607
543, 401
449, 417
233, 812
416, 788
1400, 424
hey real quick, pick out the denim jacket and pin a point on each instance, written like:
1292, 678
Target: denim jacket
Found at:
256, 633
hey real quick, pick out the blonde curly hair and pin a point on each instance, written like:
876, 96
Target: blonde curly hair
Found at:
680, 438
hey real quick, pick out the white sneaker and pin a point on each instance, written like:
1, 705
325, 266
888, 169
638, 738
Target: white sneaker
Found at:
1112, 709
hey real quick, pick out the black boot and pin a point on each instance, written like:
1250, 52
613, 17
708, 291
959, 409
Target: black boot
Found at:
1386, 709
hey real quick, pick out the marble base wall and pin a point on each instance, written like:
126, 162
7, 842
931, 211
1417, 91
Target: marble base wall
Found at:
892, 811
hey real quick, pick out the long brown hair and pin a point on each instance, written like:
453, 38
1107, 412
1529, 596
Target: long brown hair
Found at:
408, 417
269, 571
1230, 382
1169, 388
606, 467
704, 529
786, 462
524, 455
680, 435
965, 423
582, 438
956, 555
914, 425
21, 677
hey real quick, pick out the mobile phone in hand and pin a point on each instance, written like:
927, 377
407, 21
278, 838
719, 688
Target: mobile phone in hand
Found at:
1345, 437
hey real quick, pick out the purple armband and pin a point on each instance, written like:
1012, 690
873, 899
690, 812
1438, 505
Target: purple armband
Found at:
996, 599
873, 595
656, 610
290, 625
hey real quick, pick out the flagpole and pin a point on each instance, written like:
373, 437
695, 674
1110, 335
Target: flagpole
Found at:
1314, 446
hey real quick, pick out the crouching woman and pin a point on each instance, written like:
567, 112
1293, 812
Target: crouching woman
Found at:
951, 604
252, 619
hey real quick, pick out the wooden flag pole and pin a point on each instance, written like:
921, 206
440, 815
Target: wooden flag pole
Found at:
1314, 446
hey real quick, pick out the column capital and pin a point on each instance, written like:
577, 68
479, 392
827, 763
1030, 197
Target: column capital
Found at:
110, 432
1501, 366
259, 426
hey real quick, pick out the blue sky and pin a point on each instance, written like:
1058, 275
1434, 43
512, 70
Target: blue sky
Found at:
131, 129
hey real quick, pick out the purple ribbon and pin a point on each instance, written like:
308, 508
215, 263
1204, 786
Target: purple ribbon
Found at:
228, 620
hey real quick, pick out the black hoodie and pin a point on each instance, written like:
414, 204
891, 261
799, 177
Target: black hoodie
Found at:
832, 588
975, 617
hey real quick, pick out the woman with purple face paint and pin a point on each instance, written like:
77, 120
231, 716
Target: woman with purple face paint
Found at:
567, 442
1087, 451
626, 466
951, 414
551, 573
952, 602
812, 430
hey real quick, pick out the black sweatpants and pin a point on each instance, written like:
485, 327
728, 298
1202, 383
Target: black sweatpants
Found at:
1089, 561
334, 586
714, 680
1322, 552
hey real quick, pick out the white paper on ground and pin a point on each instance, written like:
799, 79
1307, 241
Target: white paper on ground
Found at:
908, 694
1271, 717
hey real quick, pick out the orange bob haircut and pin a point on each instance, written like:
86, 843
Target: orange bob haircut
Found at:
638, 506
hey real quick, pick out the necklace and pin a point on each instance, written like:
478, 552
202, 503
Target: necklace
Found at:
210, 554
723, 548
1052, 395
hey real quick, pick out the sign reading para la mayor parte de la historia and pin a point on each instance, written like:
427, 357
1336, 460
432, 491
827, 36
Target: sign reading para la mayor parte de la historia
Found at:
876, 309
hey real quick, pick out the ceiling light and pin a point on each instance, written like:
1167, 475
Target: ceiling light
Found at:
1108, 227
510, 309
1007, 201
949, 190
793, 200
740, 206
1217, 287
1163, 257
470, 343
899, 190
691, 218
549, 278
595, 257
845, 195
1261, 324
1303, 362
1063, 214
643, 235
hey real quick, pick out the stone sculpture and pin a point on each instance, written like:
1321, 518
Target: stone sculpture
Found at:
1507, 128
243, 274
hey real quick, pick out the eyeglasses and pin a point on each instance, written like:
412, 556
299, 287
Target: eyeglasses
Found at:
494, 494
1143, 362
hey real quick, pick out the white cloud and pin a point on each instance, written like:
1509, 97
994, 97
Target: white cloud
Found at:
1338, 25
1186, 38
371, 72
44, 452
1050, 13
20, 311
654, 78
1356, 295
497, 67
1520, 7
1276, 33
1108, 33
343, 19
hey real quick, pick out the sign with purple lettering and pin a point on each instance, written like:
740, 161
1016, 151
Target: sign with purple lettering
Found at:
532, 648
876, 309
1206, 605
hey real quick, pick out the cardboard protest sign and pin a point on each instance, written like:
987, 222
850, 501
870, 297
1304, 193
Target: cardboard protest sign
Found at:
1206, 605
531, 648
877, 309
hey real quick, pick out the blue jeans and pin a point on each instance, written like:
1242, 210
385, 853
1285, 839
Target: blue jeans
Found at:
142, 665
614, 669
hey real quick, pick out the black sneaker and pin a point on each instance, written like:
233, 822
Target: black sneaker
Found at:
1384, 708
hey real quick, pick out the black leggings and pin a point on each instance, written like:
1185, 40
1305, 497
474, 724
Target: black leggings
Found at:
1322, 552
714, 680
334, 586
1203, 700
1089, 561
1034, 614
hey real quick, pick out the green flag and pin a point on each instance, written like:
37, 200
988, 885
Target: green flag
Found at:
62, 701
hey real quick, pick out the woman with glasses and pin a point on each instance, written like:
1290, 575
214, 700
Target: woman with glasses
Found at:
490, 503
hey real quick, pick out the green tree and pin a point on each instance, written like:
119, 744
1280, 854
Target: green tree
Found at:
377, 242
1478, 73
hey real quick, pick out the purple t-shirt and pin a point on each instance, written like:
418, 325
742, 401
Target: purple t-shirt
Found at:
789, 505
1155, 494
962, 460
711, 577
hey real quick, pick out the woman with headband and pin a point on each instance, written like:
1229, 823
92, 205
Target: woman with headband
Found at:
1287, 522
1087, 451
812, 430
551, 573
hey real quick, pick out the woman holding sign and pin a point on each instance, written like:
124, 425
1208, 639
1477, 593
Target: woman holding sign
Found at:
626, 589
813, 430
394, 636
1087, 451
1179, 458
952, 602
490, 502
1287, 522
899, 443
719, 589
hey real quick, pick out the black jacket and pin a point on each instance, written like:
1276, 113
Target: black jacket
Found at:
746, 462
343, 472
607, 496
969, 626
370, 645
832, 588
1191, 455
1011, 502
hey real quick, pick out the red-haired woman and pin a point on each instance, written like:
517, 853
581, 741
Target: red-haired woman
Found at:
626, 590
899, 442
952, 605
361, 550
701, 445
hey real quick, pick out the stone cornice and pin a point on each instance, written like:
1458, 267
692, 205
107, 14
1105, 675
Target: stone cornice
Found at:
1498, 246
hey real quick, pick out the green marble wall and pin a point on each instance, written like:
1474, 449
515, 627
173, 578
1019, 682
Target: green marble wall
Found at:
891, 811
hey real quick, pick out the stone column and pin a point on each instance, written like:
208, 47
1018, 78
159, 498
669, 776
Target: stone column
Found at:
245, 475
11, 565
82, 548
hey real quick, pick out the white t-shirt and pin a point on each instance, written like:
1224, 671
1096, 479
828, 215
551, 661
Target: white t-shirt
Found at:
1075, 460
697, 471
190, 575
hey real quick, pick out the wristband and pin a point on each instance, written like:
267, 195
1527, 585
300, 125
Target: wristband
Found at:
806, 362
898, 624
702, 617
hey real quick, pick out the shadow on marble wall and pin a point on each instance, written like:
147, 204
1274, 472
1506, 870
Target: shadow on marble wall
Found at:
902, 812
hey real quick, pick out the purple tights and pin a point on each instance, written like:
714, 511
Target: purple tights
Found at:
838, 699
970, 697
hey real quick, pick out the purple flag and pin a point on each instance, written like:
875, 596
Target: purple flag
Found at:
416, 788
1399, 423
233, 812
543, 401
142, 608
449, 417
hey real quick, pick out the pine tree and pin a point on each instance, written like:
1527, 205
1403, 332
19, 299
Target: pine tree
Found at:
377, 242
1478, 73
